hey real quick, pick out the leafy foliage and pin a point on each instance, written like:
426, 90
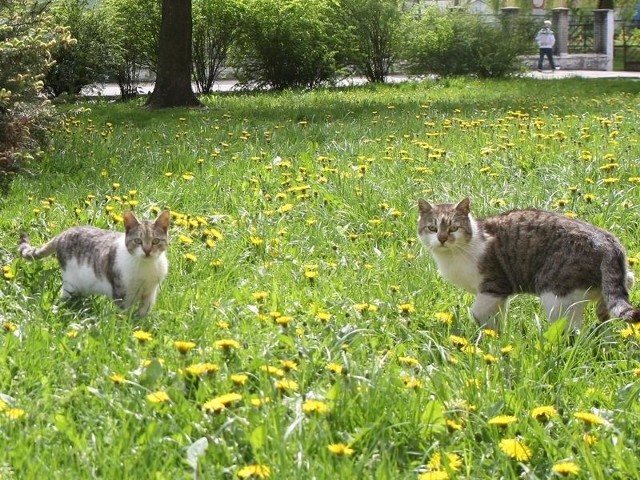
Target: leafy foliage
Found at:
27, 37
87, 61
134, 27
216, 25
371, 35
287, 44
460, 43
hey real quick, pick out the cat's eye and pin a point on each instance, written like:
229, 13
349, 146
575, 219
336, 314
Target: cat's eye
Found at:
453, 228
155, 241
138, 241
433, 228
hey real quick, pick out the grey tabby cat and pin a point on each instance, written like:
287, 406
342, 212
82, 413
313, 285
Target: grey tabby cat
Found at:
564, 261
128, 267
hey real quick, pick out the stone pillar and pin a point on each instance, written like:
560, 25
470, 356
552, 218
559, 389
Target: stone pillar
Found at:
603, 34
560, 27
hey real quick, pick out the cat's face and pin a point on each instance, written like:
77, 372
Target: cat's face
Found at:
444, 226
146, 239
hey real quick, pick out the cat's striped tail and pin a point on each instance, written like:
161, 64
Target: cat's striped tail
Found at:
34, 253
616, 284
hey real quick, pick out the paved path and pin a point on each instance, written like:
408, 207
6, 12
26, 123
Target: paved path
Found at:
112, 90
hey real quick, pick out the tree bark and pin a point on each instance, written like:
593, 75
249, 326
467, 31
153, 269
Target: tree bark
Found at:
173, 78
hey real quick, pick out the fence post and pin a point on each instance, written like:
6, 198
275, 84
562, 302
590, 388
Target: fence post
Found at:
603, 34
561, 29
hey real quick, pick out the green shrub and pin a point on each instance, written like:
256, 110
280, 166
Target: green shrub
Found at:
460, 43
371, 32
27, 37
216, 24
287, 44
134, 28
90, 60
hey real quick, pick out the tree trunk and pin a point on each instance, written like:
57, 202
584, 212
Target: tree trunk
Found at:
173, 80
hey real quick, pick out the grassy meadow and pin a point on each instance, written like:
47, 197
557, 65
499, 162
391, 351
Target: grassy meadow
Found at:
302, 332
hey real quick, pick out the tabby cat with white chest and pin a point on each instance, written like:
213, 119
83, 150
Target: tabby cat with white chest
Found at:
127, 267
564, 261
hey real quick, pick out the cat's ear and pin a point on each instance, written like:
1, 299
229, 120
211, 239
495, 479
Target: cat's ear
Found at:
463, 207
130, 221
163, 220
424, 207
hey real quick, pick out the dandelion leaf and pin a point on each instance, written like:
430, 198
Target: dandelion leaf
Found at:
555, 331
151, 374
258, 438
433, 417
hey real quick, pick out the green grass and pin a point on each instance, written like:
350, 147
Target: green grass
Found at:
294, 219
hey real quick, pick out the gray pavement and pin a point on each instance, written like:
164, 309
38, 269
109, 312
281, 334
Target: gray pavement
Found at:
112, 90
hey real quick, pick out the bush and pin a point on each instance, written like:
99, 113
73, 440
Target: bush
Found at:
27, 37
460, 43
371, 30
90, 60
216, 24
287, 44
134, 28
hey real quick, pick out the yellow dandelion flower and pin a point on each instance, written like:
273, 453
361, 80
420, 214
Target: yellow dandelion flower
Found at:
490, 358
142, 336
9, 326
341, 449
117, 378
610, 180
285, 208
239, 378
410, 361
516, 449
406, 308
507, 350
227, 344
323, 316
260, 296
200, 369
444, 317
256, 241
184, 347
590, 418
434, 475
185, 239
566, 468
288, 365
158, 397
544, 413
454, 426
286, 385
335, 368
412, 383
14, 413
190, 257
489, 332
459, 342
224, 400
259, 402
451, 460
254, 471
315, 406
609, 166
311, 274
589, 439
284, 320
502, 420
275, 371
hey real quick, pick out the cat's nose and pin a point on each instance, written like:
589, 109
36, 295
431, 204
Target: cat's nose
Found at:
147, 251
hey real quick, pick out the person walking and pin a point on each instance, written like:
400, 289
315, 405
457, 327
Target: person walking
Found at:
546, 40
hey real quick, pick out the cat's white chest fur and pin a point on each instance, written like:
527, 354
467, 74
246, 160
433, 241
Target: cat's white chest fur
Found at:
461, 269
458, 262
141, 274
